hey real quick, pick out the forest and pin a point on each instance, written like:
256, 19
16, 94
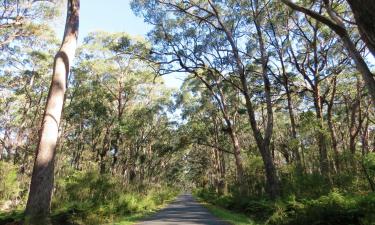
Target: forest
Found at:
273, 124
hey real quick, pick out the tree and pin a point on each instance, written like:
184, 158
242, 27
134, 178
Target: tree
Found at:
215, 23
335, 23
363, 10
16, 19
38, 204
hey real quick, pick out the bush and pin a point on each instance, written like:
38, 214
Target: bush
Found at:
92, 198
331, 209
334, 208
9, 185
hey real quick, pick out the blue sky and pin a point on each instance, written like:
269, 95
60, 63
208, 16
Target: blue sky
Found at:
113, 16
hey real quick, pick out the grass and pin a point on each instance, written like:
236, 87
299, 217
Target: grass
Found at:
89, 198
126, 219
137, 217
131, 219
227, 215
334, 208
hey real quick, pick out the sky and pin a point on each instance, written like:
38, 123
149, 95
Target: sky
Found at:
111, 16
114, 16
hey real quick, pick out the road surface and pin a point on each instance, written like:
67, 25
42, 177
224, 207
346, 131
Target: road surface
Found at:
183, 211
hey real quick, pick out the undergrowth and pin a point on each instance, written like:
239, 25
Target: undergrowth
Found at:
331, 209
90, 198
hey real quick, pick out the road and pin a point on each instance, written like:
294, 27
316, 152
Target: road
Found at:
185, 210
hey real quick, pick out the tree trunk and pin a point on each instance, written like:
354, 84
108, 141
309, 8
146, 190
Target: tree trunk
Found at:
331, 127
273, 183
364, 12
221, 100
219, 156
365, 137
336, 24
321, 138
237, 154
38, 203
286, 85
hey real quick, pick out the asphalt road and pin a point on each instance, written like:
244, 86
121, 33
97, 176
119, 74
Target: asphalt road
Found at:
183, 211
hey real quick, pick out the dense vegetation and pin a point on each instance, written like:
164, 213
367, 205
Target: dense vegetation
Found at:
275, 118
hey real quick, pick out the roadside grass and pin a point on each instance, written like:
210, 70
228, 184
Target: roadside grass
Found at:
126, 219
334, 208
88, 198
139, 216
226, 215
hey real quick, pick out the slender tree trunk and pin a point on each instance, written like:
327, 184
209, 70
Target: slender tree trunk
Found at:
38, 203
331, 127
221, 100
105, 148
365, 137
237, 154
286, 84
321, 138
222, 182
273, 183
219, 155
355, 123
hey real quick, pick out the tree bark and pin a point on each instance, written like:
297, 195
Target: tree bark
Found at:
38, 203
364, 12
273, 185
321, 138
331, 127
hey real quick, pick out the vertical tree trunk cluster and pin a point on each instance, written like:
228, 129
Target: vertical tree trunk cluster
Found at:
337, 25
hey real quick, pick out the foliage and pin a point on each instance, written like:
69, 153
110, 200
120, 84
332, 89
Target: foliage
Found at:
9, 184
333, 208
91, 198
265, 89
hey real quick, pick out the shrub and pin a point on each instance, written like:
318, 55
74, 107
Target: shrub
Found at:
9, 185
93, 198
331, 209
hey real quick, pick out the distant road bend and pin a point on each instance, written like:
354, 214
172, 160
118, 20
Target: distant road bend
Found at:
185, 210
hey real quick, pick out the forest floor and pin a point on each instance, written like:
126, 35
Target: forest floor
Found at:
183, 211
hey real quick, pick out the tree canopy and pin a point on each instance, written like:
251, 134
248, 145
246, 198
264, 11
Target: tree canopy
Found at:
274, 119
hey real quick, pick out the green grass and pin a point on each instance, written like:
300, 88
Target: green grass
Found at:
136, 217
333, 208
88, 198
226, 215
131, 219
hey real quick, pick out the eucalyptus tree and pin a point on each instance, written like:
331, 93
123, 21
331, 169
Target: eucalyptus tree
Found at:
18, 19
363, 11
25, 42
317, 60
116, 108
212, 117
23, 91
217, 35
278, 36
38, 204
337, 22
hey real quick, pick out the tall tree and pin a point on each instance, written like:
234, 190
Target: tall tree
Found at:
364, 12
38, 203
336, 23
